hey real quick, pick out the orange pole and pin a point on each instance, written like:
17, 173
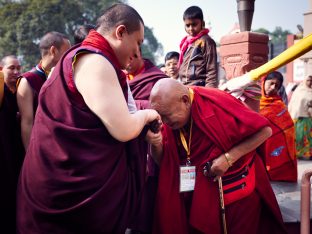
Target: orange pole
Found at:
305, 202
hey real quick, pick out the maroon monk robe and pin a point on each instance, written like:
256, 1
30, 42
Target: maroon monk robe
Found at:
142, 83
35, 78
11, 157
141, 86
76, 177
221, 122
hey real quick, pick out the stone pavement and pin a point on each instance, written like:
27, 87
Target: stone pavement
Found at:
288, 195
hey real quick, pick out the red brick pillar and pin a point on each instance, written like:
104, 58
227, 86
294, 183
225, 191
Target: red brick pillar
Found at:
242, 52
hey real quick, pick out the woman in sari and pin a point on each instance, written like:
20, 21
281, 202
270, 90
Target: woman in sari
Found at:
300, 109
279, 149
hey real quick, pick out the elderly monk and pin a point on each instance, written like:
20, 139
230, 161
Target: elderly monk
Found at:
207, 133
83, 171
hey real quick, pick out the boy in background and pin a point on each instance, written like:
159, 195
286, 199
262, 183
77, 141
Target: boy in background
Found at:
171, 65
198, 55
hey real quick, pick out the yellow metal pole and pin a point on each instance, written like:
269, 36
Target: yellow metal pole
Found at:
293, 52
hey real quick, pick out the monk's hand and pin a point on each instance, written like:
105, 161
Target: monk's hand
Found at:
219, 166
153, 138
155, 125
152, 115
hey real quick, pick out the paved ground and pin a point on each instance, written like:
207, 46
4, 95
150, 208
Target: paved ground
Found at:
288, 194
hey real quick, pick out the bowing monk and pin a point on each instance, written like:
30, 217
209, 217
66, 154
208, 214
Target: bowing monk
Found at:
83, 170
207, 133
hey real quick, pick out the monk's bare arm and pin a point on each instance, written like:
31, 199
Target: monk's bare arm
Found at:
97, 82
156, 146
25, 100
220, 165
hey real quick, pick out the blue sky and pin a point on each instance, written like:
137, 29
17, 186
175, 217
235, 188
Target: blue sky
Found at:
165, 16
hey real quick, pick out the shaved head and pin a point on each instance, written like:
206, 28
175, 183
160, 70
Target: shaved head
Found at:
4, 60
172, 101
11, 68
119, 14
167, 89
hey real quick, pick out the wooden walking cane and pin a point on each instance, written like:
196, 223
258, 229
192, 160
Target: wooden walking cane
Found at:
222, 204
207, 172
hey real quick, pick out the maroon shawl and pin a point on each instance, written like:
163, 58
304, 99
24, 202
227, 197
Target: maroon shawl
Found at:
224, 122
35, 78
11, 158
76, 177
142, 84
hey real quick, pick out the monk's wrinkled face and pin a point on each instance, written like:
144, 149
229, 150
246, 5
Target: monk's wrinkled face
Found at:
174, 111
272, 86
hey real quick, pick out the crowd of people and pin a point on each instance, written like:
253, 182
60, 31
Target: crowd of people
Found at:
98, 139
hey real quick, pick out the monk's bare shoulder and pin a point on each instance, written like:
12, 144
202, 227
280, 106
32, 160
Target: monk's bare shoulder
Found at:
93, 66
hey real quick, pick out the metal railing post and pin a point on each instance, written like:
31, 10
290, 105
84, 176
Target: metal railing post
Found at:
305, 202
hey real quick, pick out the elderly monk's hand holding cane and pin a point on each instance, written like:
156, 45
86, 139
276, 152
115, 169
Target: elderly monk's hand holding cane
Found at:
221, 164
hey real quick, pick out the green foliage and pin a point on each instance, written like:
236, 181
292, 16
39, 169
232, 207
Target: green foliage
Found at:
277, 43
24, 22
9, 14
40, 17
262, 30
151, 49
277, 36
93, 8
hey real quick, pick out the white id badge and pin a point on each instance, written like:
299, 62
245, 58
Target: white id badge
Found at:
187, 178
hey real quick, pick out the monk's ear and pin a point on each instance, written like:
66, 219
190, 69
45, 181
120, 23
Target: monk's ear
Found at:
120, 31
186, 99
53, 50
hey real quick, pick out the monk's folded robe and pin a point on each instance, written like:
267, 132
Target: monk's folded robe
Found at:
76, 177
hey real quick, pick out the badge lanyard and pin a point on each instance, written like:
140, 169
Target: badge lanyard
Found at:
186, 146
187, 172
